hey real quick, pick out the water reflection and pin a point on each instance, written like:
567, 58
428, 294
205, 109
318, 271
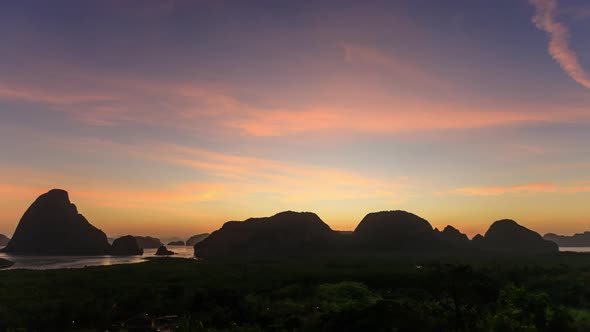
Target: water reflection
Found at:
65, 262
575, 249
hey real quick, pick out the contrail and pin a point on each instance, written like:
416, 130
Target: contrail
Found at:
544, 19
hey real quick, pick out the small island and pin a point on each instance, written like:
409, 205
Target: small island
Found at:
4, 264
163, 251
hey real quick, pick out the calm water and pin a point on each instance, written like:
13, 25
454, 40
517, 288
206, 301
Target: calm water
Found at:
61, 262
64, 262
575, 249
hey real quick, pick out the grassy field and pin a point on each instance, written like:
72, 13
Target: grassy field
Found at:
542, 293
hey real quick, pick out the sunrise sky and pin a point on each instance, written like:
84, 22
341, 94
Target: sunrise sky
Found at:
171, 117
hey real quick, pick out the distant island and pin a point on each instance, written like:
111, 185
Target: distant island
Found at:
291, 233
126, 245
196, 239
53, 226
163, 251
148, 242
4, 240
576, 240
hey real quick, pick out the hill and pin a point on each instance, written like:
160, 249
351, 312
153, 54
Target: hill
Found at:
508, 236
53, 226
284, 234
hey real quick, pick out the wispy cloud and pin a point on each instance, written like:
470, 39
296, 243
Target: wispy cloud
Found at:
524, 189
31, 94
397, 117
220, 110
397, 66
247, 177
545, 19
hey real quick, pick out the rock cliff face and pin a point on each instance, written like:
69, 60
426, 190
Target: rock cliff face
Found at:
53, 226
196, 239
509, 237
284, 234
126, 246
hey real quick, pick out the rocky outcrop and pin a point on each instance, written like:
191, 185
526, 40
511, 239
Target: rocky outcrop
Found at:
394, 230
284, 234
509, 237
576, 240
148, 242
53, 226
176, 243
126, 246
196, 239
163, 251
452, 238
4, 240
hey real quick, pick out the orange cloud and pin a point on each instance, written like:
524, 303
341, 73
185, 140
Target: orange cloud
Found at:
245, 176
525, 188
558, 33
389, 119
215, 108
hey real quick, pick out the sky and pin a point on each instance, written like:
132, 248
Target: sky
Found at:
168, 118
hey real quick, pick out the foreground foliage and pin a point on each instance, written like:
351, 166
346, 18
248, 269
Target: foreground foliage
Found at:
543, 293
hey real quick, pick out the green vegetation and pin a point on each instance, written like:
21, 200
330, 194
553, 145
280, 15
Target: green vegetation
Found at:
5, 263
542, 293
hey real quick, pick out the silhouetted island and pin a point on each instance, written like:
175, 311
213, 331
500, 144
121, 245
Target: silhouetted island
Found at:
576, 240
284, 234
4, 264
126, 246
452, 237
148, 242
394, 230
4, 240
508, 236
163, 251
304, 233
176, 243
196, 239
53, 226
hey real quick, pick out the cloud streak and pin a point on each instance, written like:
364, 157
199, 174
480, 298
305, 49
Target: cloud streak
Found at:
397, 117
530, 188
559, 49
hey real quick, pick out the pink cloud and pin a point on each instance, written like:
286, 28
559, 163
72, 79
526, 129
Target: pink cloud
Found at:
394, 118
215, 109
545, 19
